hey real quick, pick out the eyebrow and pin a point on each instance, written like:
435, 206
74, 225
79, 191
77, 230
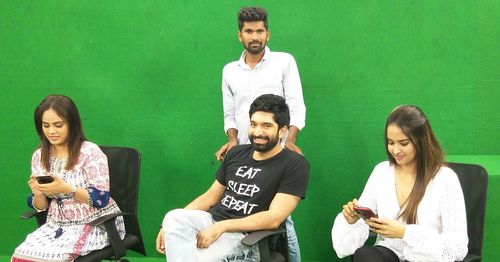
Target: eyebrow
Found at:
402, 140
261, 123
57, 122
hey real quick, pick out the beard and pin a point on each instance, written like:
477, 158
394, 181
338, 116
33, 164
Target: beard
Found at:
270, 144
254, 50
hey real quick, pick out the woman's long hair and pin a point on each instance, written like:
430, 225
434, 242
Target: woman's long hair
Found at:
429, 156
65, 109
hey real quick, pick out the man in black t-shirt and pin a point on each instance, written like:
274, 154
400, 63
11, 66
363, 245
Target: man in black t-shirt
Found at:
256, 188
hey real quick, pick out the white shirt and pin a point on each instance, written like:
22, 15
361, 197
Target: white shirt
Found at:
276, 73
441, 232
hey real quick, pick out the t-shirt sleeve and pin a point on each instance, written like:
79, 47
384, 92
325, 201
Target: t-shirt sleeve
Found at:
295, 178
220, 175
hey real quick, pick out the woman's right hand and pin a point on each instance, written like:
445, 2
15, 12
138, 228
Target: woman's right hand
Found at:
349, 213
33, 184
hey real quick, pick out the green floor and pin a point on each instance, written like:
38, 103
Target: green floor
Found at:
133, 259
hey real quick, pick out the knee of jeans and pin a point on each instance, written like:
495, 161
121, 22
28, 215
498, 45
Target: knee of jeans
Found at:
171, 218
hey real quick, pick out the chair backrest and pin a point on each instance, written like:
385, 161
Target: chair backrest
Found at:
474, 182
124, 172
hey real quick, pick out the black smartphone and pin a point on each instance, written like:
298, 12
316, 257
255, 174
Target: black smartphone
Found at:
44, 179
365, 212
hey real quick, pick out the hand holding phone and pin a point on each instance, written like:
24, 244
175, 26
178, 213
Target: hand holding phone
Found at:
44, 179
365, 212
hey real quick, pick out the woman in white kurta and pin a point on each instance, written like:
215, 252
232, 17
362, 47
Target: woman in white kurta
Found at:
418, 201
78, 194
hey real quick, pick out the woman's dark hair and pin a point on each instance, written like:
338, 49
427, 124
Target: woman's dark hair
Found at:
65, 109
252, 14
272, 104
429, 156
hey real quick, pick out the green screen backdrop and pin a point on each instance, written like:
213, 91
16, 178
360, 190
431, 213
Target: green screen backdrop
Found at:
147, 74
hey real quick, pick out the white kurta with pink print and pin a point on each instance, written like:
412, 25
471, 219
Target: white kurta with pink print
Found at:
67, 233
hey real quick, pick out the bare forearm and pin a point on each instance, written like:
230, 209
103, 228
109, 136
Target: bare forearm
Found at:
293, 132
202, 202
82, 195
40, 202
260, 221
232, 133
211, 197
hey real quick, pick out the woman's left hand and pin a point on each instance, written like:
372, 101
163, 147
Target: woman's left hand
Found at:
56, 187
386, 227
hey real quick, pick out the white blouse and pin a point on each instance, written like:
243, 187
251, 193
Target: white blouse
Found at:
441, 230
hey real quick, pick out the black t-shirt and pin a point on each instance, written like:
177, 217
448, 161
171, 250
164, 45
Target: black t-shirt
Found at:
251, 185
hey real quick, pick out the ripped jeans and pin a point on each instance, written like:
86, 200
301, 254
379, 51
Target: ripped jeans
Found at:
180, 227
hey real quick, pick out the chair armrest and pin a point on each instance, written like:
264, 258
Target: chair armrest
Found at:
254, 237
114, 238
105, 218
28, 214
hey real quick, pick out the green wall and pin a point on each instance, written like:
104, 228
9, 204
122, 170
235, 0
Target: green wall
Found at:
146, 74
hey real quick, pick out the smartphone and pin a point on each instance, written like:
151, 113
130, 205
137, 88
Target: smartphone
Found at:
365, 212
44, 179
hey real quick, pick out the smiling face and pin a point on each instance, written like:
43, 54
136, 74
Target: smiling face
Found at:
400, 146
264, 133
254, 36
54, 128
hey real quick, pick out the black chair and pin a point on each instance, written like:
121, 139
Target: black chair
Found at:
474, 182
273, 244
124, 171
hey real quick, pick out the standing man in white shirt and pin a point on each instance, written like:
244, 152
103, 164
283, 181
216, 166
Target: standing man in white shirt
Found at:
260, 71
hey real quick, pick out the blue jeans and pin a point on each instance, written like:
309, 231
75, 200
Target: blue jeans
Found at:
180, 227
293, 242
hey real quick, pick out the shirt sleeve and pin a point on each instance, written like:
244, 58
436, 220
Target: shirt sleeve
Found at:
296, 177
346, 238
228, 103
292, 89
220, 175
95, 167
96, 172
425, 243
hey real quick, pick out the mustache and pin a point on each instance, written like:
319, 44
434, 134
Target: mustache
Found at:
260, 137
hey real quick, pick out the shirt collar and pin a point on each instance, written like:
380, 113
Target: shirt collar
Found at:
241, 61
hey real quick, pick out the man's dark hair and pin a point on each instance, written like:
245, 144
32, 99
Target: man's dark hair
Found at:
251, 14
272, 104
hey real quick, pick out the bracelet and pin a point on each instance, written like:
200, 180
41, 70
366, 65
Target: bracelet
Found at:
33, 205
73, 190
90, 202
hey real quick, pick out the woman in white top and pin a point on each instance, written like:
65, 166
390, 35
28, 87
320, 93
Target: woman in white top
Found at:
418, 201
